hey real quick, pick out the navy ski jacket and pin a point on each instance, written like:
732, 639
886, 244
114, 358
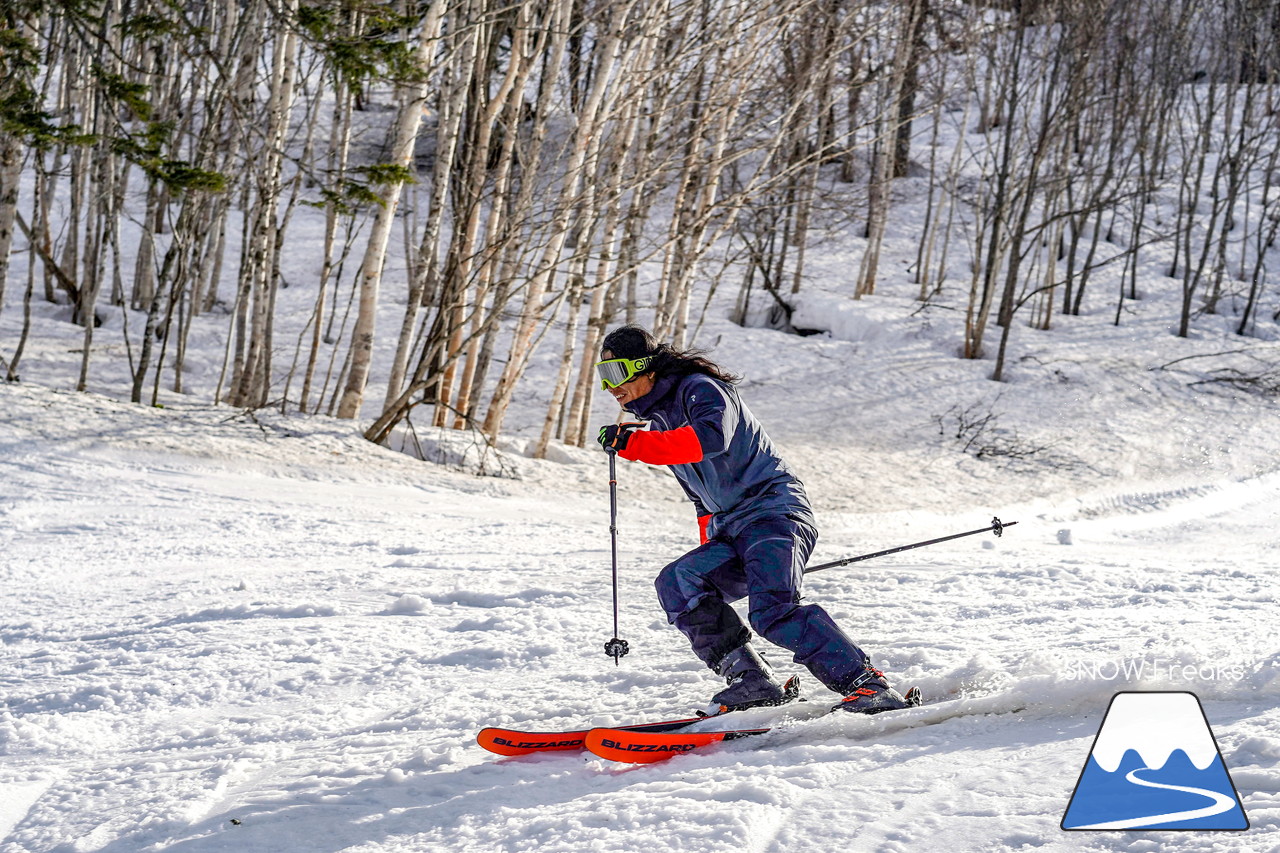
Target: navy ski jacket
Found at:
718, 451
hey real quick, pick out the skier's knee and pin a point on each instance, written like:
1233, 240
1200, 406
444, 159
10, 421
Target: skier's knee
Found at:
670, 594
768, 621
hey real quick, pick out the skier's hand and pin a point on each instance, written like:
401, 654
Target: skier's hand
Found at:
613, 438
703, 521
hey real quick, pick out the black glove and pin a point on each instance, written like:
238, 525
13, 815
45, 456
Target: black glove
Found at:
614, 437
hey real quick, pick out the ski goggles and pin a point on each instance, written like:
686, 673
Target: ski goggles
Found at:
620, 371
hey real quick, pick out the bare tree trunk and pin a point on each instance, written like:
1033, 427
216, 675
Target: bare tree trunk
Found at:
605, 279
886, 145
406, 133
1264, 239
251, 385
1009, 95
573, 299
18, 84
522, 343
102, 172
1191, 186
909, 89
497, 229
336, 159
466, 246
10, 173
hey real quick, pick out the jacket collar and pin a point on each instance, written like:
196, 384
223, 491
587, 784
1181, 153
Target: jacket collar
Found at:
642, 407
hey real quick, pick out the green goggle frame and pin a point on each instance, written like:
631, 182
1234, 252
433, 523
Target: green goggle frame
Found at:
620, 371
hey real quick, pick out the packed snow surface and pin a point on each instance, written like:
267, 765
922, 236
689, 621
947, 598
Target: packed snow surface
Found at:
227, 631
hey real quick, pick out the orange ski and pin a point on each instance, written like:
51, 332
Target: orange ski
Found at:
508, 742
512, 742
647, 747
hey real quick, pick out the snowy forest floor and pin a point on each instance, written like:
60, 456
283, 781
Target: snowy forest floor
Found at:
236, 632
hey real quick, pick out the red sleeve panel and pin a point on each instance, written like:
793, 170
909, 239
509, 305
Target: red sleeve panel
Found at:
667, 447
703, 521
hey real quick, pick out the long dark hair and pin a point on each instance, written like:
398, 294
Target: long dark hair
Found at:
636, 342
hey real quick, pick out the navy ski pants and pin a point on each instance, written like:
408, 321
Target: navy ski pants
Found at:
763, 562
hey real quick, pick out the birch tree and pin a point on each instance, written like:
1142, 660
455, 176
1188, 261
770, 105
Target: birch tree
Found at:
412, 98
19, 116
574, 175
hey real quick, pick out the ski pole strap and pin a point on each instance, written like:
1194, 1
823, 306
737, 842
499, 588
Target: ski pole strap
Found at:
996, 526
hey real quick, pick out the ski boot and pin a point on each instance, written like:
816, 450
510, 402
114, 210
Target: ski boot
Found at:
871, 694
751, 683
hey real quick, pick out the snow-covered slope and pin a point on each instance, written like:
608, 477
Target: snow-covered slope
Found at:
234, 633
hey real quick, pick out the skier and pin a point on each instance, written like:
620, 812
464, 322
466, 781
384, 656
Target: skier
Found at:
756, 525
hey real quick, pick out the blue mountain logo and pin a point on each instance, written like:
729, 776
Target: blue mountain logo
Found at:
1155, 765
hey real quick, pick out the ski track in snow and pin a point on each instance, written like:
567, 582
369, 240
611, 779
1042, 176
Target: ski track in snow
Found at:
202, 654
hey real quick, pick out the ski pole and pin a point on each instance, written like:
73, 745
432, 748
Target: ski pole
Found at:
615, 648
997, 527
